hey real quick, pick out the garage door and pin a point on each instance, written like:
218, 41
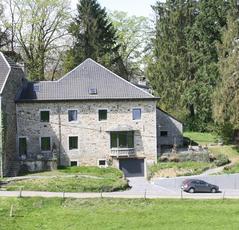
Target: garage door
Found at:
132, 167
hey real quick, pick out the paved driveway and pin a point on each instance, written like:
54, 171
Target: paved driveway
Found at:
225, 182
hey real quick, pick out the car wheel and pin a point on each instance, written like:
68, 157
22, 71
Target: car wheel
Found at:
191, 190
213, 190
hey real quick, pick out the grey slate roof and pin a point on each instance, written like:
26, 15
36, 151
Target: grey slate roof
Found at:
4, 70
76, 84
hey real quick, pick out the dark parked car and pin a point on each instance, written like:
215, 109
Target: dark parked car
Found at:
194, 185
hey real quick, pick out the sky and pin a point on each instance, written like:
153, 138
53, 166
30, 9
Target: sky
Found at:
133, 7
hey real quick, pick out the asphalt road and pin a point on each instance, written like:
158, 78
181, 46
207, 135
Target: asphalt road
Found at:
158, 188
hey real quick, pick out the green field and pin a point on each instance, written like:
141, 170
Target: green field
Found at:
202, 138
72, 179
73, 214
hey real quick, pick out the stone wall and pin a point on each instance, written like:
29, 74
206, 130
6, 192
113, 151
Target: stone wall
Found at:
8, 117
173, 127
93, 138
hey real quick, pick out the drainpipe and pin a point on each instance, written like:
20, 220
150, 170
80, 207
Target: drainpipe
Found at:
59, 130
1, 142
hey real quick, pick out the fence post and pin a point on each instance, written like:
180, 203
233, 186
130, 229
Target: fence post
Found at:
11, 211
20, 192
145, 194
181, 194
223, 195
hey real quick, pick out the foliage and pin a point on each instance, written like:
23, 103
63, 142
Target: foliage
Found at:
221, 159
4, 36
183, 70
37, 27
226, 97
94, 37
55, 213
80, 179
133, 35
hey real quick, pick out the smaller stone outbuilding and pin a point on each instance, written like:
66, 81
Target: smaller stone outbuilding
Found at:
169, 131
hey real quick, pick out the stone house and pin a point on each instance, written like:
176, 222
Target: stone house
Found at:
90, 116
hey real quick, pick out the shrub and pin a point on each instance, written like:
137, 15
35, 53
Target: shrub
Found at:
163, 159
221, 160
174, 158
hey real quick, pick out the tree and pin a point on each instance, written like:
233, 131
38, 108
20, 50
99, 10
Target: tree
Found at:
94, 36
134, 36
169, 65
204, 34
39, 26
226, 96
183, 70
4, 36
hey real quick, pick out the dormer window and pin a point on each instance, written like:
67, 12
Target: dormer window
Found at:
92, 91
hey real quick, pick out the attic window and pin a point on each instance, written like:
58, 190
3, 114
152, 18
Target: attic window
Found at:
36, 88
92, 91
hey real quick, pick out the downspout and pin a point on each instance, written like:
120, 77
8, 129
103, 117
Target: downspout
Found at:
1, 141
60, 139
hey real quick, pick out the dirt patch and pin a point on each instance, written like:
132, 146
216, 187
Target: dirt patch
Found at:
172, 172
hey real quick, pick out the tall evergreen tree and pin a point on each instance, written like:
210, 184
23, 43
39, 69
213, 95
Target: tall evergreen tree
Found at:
226, 96
201, 42
94, 36
184, 69
169, 66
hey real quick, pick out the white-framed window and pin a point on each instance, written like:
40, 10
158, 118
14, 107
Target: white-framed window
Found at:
73, 142
74, 163
102, 114
45, 144
22, 146
102, 163
45, 115
136, 113
72, 115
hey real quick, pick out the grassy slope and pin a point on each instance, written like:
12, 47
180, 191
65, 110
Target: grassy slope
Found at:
102, 180
44, 214
231, 151
202, 138
192, 168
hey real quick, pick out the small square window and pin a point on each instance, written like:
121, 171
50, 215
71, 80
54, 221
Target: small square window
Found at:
163, 133
102, 163
22, 148
136, 114
72, 115
45, 144
102, 114
73, 143
73, 163
45, 116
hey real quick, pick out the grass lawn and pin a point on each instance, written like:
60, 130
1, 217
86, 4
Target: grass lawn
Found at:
82, 179
232, 169
230, 150
202, 138
73, 214
186, 168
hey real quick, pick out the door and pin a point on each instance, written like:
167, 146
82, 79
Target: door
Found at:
132, 167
